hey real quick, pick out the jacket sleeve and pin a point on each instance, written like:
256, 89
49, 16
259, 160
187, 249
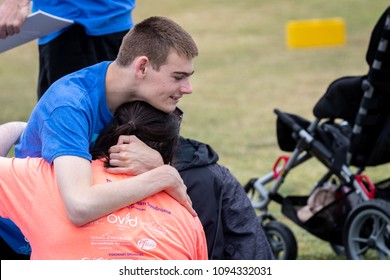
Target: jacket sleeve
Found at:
244, 236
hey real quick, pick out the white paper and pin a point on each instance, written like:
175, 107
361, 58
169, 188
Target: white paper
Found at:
36, 25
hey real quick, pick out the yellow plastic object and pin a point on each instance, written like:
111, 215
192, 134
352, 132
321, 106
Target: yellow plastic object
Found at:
315, 33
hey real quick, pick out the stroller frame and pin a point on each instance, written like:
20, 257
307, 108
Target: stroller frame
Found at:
357, 222
329, 224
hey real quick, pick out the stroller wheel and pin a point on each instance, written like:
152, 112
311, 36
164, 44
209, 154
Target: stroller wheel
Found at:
282, 240
367, 230
338, 249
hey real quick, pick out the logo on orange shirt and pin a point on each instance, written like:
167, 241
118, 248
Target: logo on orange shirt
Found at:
146, 244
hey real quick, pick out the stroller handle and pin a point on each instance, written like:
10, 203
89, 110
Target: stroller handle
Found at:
315, 146
288, 120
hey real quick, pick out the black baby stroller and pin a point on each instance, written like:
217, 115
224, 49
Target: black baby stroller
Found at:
350, 132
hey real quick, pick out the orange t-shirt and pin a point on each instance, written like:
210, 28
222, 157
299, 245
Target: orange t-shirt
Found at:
155, 228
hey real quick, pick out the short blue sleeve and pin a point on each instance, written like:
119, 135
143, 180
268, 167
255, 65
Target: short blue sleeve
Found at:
66, 132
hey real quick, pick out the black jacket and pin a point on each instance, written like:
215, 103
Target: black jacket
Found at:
229, 220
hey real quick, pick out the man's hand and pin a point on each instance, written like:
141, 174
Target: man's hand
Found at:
132, 156
12, 15
176, 187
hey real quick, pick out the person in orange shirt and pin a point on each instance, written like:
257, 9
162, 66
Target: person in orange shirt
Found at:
157, 227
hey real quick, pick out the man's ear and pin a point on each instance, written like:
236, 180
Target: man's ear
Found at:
141, 65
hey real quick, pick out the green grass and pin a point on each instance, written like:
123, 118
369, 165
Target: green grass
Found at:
243, 72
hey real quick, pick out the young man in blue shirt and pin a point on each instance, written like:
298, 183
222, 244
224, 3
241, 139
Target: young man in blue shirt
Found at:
154, 64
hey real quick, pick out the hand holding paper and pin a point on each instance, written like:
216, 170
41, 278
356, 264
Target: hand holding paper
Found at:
36, 25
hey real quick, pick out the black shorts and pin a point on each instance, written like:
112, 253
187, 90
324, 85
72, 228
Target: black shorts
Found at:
72, 51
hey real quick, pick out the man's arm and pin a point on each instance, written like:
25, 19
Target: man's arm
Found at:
85, 202
12, 15
10, 133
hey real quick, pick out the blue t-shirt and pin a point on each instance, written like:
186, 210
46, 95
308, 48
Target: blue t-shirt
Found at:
68, 117
99, 17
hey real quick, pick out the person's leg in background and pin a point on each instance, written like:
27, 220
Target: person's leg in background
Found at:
72, 51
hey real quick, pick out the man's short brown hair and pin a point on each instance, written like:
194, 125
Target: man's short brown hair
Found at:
155, 37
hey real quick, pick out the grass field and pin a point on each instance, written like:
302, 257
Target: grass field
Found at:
244, 71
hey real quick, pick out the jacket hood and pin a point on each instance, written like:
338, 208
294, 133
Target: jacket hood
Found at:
191, 153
